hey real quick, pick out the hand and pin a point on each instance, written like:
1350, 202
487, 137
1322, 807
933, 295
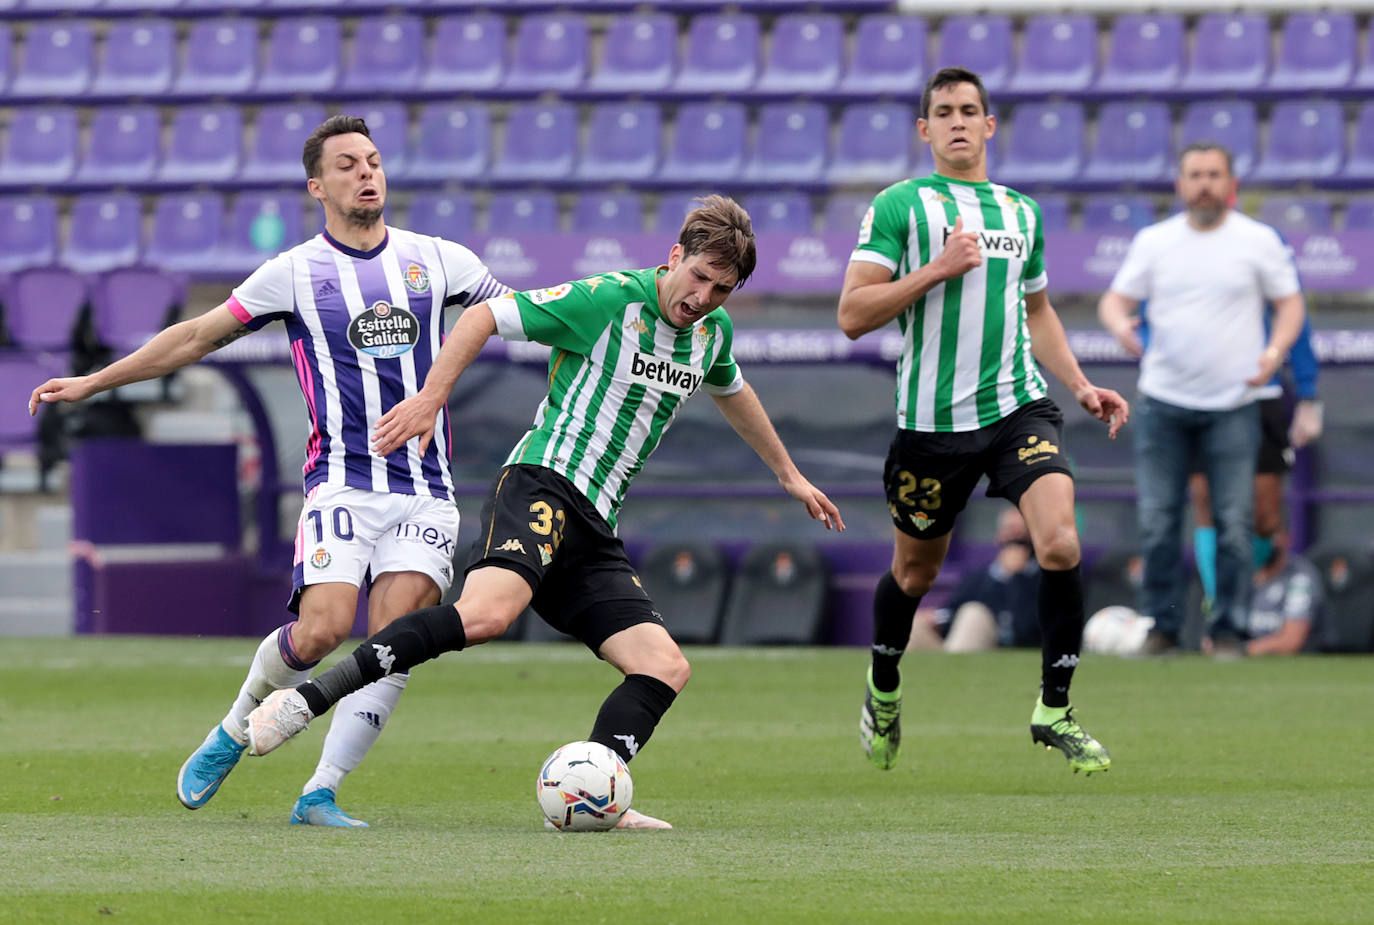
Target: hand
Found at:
1307, 423
1105, 405
1269, 362
1129, 339
72, 389
416, 416
961, 252
817, 504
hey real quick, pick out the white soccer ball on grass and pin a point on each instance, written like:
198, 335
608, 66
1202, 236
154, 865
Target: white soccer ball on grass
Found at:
584, 787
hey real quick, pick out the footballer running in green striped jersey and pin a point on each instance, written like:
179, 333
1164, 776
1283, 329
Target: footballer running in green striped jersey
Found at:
628, 349
959, 262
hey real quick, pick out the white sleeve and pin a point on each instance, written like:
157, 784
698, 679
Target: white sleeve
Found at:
1133, 279
267, 294
467, 279
1278, 271
507, 315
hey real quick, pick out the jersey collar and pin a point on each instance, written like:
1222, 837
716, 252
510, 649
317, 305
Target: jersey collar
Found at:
353, 251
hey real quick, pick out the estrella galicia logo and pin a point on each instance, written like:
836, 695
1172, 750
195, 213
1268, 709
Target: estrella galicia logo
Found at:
384, 330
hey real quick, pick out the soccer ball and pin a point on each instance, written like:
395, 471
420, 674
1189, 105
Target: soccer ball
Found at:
584, 787
1116, 630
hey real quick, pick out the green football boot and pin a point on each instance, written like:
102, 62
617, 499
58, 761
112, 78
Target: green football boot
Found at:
880, 725
1056, 728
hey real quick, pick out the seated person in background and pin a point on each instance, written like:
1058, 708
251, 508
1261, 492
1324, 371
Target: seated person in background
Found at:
993, 606
1285, 605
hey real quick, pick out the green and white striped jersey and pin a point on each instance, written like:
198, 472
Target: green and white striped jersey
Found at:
966, 354
618, 374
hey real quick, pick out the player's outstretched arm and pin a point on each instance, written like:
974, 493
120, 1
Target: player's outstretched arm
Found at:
745, 413
172, 348
1051, 347
418, 415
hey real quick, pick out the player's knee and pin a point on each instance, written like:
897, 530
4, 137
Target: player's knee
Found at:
1059, 550
484, 624
670, 667
314, 639
915, 578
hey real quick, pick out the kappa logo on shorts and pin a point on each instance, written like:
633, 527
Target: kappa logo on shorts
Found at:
545, 553
1036, 451
921, 520
321, 558
512, 545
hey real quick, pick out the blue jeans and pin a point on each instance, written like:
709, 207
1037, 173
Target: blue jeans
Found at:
1170, 444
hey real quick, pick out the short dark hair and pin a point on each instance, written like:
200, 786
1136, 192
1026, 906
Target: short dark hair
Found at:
1207, 146
948, 77
720, 229
334, 125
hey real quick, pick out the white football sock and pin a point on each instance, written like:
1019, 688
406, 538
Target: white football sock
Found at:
358, 720
269, 672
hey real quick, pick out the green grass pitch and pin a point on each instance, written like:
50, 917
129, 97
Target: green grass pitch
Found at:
1240, 792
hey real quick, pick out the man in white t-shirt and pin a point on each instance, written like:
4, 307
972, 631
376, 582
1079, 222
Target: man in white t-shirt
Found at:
1206, 274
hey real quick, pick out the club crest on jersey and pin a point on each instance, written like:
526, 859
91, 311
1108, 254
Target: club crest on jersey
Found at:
663, 374
921, 520
321, 558
384, 330
417, 279
703, 335
545, 553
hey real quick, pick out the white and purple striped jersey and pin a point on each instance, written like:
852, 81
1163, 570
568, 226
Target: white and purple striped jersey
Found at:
365, 327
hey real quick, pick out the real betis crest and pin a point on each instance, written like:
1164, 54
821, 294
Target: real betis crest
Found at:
703, 334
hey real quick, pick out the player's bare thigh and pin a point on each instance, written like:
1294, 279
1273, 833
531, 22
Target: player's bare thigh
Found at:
326, 615
1047, 506
493, 597
646, 648
395, 594
916, 562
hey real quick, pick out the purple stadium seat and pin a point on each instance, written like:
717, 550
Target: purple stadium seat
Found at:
608, 213
136, 59
1123, 215
389, 126
1058, 55
28, 232
218, 56
888, 56
6, 41
708, 144
122, 146
874, 144
622, 143
540, 144
979, 43
151, 6
1290, 213
19, 374
444, 215
453, 142
383, 55
204, 146
639, 51
187, 232
304, 55
791, 143
1316, 52
129, 306
672, 208
466, 53
219, 5
42, 306
1230, 52
1054, 211
522, 212
1145, 53
1360, 164
551, 52
722, 54
844, 212
1359, 213
806, 54
1306, 141
106, 232
262, 225
59, 59
1364, 77
788, 212
1232, 123
1046, 144
40, 146
279, 133
1132, 144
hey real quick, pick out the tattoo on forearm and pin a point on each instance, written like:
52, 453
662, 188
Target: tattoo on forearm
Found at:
232, 336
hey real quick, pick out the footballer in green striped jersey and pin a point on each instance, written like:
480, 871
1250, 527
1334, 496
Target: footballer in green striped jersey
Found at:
959, 263
628, 349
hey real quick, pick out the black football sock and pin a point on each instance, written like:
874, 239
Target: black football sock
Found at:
628, 716
1061, 632
396, 648
893, 613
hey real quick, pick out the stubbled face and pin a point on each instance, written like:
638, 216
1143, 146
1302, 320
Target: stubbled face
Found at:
351, 182
957, 129
1206, 186
692, 288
